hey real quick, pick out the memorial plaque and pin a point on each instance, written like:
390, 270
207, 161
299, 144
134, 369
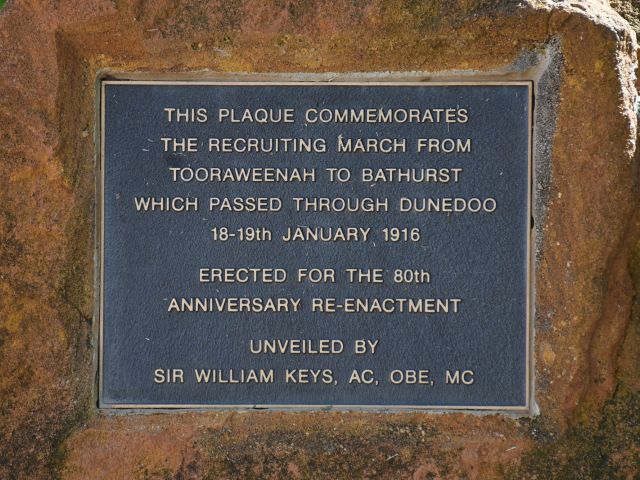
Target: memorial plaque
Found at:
315, 244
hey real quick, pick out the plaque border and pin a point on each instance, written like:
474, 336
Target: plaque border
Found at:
525, 409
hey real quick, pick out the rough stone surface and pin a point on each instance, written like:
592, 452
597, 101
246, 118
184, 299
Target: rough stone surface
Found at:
630, 11
587, 322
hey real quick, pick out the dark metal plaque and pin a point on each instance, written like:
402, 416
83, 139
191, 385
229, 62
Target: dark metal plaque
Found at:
315, 244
